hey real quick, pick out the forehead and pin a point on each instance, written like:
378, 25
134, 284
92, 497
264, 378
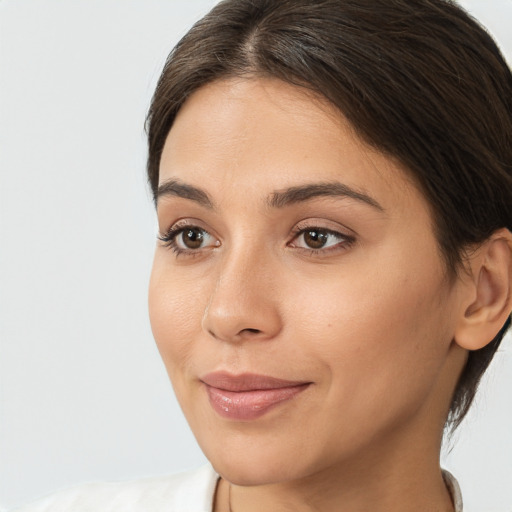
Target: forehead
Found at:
266, 134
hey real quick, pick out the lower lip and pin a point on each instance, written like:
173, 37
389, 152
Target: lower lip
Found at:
250, 405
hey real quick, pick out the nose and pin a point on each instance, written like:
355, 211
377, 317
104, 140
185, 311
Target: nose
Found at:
244, 303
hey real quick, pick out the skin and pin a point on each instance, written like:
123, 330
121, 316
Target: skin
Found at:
369, 319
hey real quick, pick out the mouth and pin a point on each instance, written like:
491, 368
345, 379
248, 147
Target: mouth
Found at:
247, 396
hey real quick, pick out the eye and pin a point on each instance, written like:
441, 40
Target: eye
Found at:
191, 238
320, 239
188, 239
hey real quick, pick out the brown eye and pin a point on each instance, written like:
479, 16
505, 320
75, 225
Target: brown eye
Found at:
192, 238
315, 238
188, 239
321, 240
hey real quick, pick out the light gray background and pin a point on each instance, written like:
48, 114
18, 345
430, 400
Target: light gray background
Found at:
83, 394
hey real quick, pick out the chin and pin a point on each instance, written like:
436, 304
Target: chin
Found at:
248, 473
257, 463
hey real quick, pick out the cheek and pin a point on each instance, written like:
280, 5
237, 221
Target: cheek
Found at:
175, 311
379, 334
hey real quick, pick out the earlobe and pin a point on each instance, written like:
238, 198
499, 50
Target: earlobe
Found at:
489, 292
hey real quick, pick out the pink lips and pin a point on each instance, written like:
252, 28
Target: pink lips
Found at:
248, 396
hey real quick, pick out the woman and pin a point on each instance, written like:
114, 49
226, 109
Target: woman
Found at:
332, 277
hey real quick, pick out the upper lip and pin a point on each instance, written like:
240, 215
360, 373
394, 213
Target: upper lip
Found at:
246, 381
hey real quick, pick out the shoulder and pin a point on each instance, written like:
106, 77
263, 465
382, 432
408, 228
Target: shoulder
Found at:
192, 491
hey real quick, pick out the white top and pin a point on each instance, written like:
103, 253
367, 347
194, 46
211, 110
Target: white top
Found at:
192, 491
185, 492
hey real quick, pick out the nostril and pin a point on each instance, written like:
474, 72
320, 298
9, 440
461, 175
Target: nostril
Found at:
254, 331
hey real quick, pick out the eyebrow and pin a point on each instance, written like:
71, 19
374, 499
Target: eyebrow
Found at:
177, 188
278, 199
292, 195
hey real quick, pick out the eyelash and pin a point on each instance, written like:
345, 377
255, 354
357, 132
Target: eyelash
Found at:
346, 240
169, 239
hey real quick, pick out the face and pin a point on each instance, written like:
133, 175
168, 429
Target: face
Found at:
298, 297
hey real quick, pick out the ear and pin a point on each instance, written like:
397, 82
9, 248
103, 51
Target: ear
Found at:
488, 292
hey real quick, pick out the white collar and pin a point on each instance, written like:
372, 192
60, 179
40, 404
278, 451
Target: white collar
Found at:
454, 488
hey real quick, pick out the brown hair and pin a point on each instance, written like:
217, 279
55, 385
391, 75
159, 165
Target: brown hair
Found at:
418, 79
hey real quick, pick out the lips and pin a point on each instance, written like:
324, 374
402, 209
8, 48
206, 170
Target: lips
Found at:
249, 396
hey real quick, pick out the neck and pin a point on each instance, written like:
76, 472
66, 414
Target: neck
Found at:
402, 486
396, 474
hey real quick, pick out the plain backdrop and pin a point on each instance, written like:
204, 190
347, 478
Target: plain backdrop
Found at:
83, 394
